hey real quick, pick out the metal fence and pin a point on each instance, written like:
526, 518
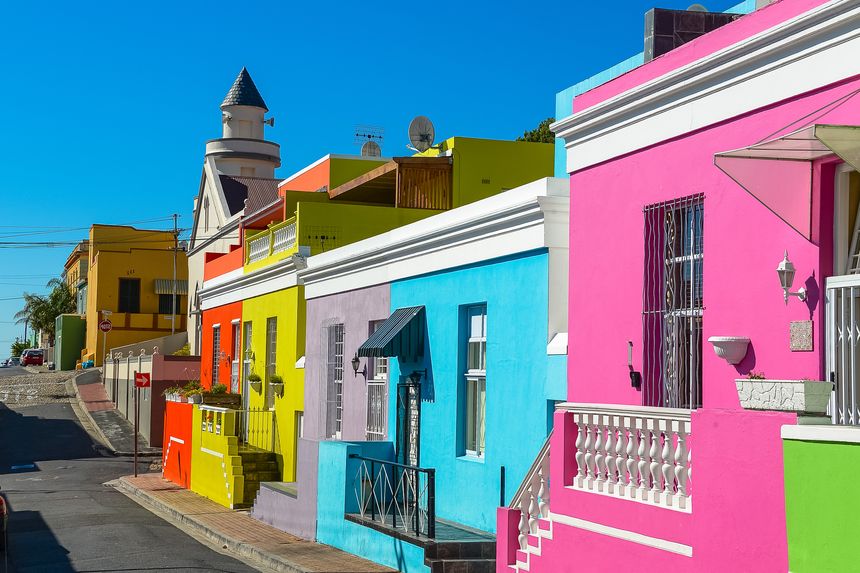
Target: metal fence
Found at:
396, 495
843, 347
256, 427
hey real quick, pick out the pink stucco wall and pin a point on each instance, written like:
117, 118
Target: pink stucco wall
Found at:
728, 35
743, 243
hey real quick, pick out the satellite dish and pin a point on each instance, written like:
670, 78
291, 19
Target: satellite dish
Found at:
371, 149
421, 133
697, 8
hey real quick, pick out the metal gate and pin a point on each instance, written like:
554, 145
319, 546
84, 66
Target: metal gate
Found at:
843, 350
408, 423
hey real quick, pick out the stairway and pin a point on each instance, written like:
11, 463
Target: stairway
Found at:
533, 545
257, 466
461, 557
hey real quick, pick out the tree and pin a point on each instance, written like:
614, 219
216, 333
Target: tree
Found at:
541, 134
41, 312
18, 347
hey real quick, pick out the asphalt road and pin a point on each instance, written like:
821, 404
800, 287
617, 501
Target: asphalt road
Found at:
12, 371
62, 516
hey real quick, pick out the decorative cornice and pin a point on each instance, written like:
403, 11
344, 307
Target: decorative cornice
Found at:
732, 65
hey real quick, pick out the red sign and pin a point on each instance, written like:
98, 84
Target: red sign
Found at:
105, 325
141, 380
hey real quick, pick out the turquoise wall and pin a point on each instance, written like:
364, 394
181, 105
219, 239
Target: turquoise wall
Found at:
336, 496
522, 381
564, 98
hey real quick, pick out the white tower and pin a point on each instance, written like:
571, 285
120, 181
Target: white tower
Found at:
242, 149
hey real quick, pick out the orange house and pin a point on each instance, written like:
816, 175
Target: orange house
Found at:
221, 350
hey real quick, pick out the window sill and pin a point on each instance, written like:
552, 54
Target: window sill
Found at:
472, 458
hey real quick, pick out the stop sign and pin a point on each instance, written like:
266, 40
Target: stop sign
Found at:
105, 325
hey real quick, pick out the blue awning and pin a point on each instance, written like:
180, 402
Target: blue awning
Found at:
402, 335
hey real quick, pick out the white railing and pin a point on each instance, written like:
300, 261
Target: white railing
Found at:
532, 497
258, 249
636, 453
285, 238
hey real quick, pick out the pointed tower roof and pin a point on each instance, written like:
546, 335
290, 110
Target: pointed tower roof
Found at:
244, 92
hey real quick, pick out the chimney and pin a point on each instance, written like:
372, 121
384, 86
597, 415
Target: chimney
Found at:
665, 29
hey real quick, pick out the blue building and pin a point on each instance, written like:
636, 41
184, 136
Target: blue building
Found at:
475, 351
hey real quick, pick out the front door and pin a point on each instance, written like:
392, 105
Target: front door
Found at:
408, 423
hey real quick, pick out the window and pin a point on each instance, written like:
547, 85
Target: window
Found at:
165, 302
377, 393
673, 306
129, 295
236, 349
206, 214
334, 381
476, 379
216, 352
271, 357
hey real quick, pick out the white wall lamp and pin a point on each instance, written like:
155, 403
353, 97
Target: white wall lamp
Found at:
786, 271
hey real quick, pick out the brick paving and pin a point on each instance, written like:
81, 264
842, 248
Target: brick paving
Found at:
239, 531
95, 397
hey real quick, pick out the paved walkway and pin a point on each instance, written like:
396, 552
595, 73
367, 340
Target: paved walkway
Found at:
112, 427
239, 532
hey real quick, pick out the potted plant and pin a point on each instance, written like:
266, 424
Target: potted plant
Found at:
171, 394
757, 392
277, 384
195, 396
256, 382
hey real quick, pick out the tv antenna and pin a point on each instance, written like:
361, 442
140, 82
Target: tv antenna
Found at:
421, 134
365, 134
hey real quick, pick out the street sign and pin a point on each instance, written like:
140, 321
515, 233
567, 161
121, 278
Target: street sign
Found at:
105, 326
141, 380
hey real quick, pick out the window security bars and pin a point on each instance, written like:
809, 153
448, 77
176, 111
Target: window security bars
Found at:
334, 381
398, 496
216, 353
843, 352
673, 304
271, 357
377, 395
409, 423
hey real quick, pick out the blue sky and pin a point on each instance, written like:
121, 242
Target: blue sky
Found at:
106, 109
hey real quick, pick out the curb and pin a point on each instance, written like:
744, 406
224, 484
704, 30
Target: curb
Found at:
92, 427
243, 549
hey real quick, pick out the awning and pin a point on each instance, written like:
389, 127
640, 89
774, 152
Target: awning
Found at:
781, 175
165, 286
402, 334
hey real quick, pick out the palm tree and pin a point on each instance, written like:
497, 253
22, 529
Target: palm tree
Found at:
41, 311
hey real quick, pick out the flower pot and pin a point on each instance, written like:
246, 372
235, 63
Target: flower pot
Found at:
277, 387
732, 349
805, 396
257, 385
196, 398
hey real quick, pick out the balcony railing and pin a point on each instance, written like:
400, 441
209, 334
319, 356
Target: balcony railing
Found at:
636, 453
532, 497
398, 496
284, 236
258, 247
276, 239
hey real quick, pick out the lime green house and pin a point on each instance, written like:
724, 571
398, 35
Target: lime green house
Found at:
336, 201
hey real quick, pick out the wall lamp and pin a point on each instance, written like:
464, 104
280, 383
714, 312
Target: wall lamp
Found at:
356, 364
786, 271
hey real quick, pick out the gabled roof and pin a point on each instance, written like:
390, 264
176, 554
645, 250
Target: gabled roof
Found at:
244, 92
259, 192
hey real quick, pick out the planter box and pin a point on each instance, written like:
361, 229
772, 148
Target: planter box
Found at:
805, 396
233, 401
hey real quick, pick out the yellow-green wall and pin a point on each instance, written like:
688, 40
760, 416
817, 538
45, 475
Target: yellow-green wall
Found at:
343, 169
216, 468
288, 307
485, 167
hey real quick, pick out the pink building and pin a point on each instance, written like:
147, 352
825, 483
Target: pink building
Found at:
691, 176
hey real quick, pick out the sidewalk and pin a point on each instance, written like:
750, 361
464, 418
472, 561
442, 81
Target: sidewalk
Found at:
116, 432
237, 531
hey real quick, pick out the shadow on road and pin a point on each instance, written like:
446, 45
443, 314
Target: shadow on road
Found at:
34, 547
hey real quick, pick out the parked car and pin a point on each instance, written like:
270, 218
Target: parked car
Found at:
34, 357
15, 361
6, 363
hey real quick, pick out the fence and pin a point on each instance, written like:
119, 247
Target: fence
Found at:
256, 427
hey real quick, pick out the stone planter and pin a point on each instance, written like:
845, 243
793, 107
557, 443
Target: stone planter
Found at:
804, 396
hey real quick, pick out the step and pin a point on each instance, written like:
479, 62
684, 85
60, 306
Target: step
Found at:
460, 550
259, 466
254, 476
534, 543
463, 566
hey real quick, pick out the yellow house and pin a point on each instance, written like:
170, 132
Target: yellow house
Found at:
130, 283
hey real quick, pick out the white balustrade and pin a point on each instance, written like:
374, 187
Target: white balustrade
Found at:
285, 238
635, 453
258, 249
532, 498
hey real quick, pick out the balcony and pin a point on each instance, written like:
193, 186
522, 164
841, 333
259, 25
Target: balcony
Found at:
406, 182
277, 239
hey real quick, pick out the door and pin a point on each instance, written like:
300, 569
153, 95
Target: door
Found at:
236, 353
408, 423
843, 351
247, 354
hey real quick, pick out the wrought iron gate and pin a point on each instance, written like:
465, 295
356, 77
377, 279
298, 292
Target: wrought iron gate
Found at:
843, 351
408, 423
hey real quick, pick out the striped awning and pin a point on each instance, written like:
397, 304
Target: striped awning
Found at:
165, 286
402, 334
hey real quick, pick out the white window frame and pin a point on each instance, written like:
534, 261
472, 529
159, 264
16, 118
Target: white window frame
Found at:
475, 414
